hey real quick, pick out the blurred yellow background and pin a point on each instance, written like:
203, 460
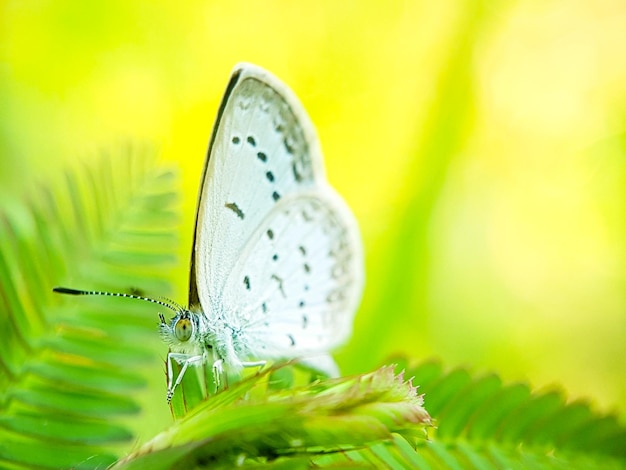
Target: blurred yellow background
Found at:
481, 146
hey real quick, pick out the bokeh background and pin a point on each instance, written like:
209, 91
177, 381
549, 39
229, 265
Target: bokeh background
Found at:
481, 146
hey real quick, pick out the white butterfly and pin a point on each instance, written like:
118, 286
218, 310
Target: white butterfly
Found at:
277, 262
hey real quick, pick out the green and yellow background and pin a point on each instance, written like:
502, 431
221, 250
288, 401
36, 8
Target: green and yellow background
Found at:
481, 145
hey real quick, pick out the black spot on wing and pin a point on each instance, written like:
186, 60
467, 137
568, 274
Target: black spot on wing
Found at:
251, 141
261, 156
292, 339
264, 307
235, 140
305, 321
270, 234
288, 145
275, 257
307, 268
275, 196
246, 282
302, 250
235, 208
270, 176
296, 174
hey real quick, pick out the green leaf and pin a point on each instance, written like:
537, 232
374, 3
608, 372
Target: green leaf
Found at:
71, 367
253, 423
483, 423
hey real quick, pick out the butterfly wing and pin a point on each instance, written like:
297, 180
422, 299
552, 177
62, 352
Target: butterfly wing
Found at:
263, 149
297, 284
277, 253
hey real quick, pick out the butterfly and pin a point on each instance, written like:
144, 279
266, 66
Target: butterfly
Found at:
277, 261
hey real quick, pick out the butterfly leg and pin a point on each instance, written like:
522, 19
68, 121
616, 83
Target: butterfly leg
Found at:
186, 360
258, 364
218, 371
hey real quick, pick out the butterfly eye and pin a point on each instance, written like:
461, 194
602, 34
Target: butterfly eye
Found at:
183, 329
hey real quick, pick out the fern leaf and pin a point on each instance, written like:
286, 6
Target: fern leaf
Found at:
69, 373
250, 424
483, 423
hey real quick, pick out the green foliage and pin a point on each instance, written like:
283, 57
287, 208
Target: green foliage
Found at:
484, 423
72, 371
69, 372
248, 423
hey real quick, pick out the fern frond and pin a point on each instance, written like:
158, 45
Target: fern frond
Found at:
484, 423
251, 424
378, 421
69, 373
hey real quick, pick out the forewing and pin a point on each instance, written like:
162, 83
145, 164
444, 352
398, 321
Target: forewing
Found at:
297, 284
263, 149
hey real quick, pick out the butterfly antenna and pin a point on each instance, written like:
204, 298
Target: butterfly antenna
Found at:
164, 302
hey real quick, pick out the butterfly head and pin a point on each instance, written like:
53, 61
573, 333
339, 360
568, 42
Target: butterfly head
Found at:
181, 332
183, 328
